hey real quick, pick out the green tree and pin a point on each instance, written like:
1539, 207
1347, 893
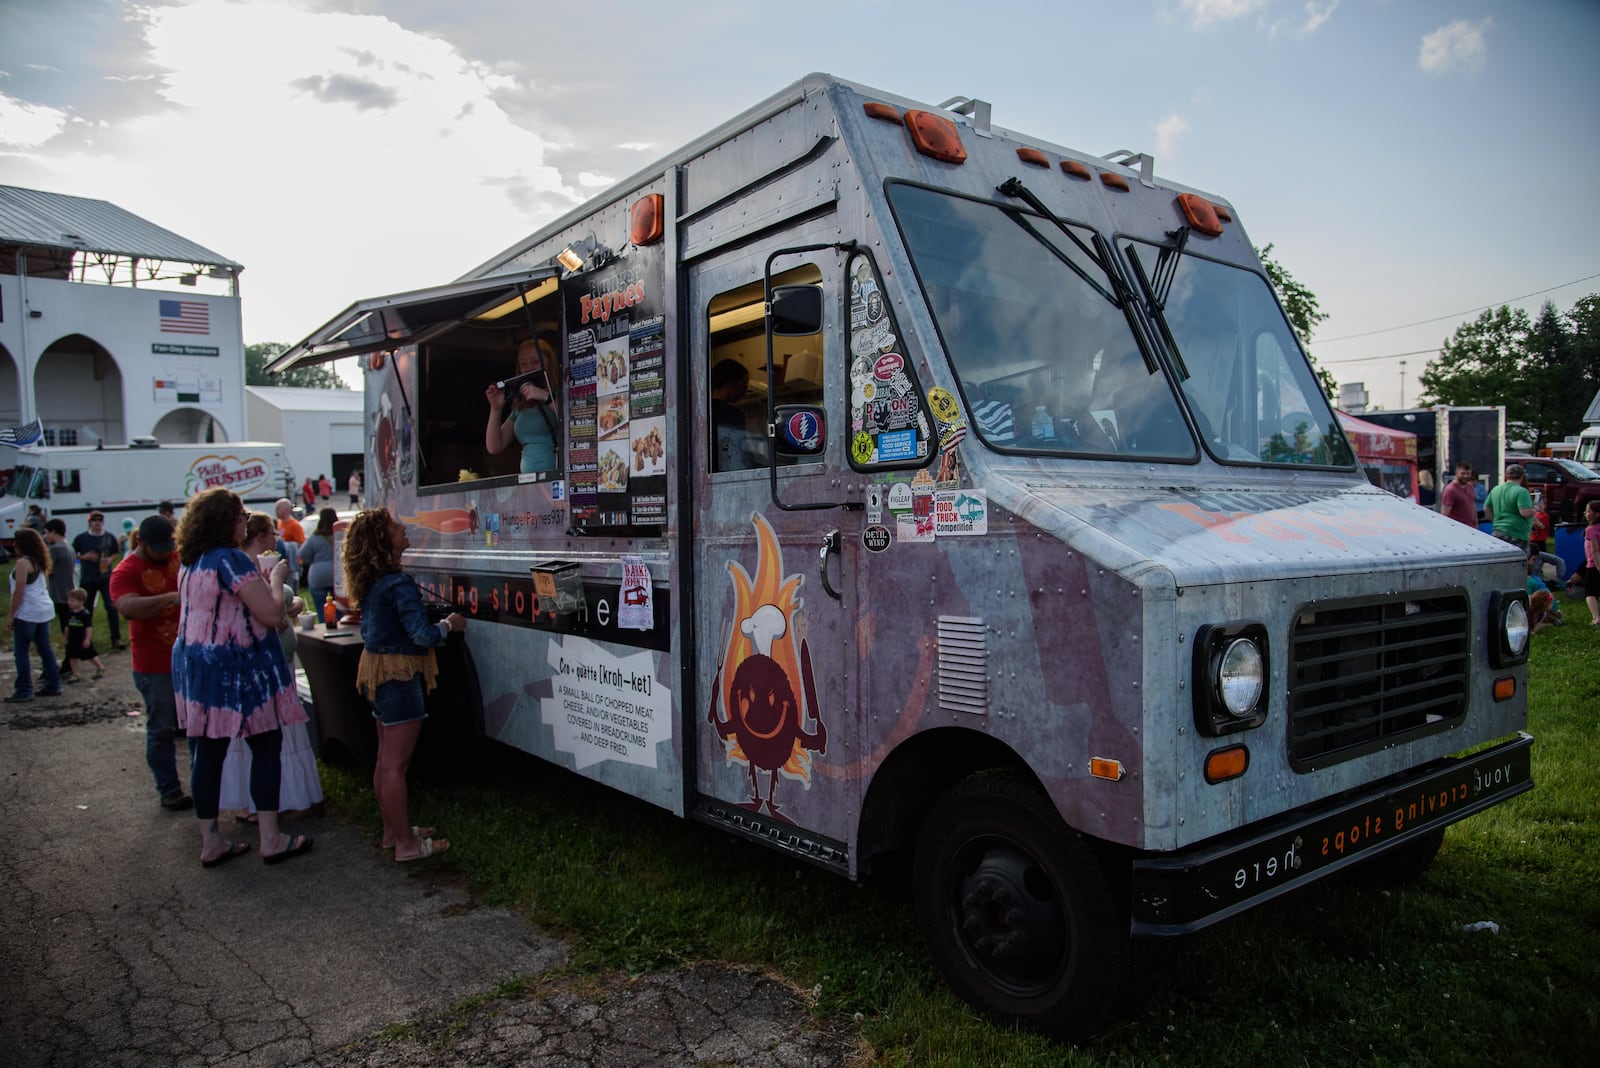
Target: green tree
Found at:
256, 358
1544, 371
1303, 310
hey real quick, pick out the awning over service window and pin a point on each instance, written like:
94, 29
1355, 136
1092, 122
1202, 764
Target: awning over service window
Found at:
383, 323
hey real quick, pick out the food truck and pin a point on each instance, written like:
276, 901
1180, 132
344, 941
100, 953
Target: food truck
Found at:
1388, 456
1019, 538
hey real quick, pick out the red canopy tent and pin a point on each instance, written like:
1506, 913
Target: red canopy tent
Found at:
1389, 457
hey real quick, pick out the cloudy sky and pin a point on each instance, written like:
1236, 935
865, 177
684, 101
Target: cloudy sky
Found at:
1412, 161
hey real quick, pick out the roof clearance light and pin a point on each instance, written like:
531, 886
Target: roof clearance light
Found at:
645, 220
1200, 213
876, 110
1033, 156
936, 136
1076, 169
1113, 181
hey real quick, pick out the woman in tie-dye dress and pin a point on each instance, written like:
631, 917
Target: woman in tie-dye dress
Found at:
229, 674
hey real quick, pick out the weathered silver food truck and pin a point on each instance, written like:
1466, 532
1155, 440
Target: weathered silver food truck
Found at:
1018, 536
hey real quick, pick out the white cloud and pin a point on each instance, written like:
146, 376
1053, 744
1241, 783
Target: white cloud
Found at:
1168, 131
1203, 13
1459, 45
1316, 15
24, 125
322, 151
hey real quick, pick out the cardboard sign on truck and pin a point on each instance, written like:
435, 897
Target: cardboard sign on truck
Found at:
1054, 569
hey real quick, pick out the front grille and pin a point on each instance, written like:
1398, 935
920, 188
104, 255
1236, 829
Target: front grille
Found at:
1365, 675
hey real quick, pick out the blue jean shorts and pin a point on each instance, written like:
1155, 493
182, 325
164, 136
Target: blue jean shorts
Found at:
399, 702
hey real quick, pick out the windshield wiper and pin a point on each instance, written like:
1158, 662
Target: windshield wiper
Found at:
1013, 187
1155, 295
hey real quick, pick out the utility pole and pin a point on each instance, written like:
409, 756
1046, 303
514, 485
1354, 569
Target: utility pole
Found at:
1402, 383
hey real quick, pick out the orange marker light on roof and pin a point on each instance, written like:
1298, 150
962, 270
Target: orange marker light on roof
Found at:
1113, 181
936, 136
1033, 156
645, 220
876, 110
1222, 213
1200, 213
1076, 169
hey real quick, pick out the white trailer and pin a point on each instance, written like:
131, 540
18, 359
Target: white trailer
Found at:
129, 481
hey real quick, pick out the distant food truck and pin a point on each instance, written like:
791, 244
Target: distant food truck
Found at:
927, 487
1445, 437
129, 481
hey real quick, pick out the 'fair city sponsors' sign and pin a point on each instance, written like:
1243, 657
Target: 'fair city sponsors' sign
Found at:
226, 472
162, 349
604, 706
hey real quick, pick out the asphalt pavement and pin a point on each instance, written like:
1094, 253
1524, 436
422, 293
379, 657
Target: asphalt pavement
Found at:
117, 948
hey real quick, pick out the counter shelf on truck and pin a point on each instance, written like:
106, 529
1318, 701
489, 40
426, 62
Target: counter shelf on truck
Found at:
923, 486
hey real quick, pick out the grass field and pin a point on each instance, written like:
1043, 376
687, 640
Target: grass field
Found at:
1347, 972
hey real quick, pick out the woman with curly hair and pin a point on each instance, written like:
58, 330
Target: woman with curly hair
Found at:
228, 672
31, 613
397, 666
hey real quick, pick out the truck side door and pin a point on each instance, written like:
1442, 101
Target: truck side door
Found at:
774, 602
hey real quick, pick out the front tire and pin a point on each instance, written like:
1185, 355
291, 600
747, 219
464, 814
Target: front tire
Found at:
1017, 911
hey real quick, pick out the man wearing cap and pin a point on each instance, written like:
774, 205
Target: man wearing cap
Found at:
144, 588
97, 549
1510, 505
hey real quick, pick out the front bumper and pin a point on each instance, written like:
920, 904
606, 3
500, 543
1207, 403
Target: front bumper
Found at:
1177, 893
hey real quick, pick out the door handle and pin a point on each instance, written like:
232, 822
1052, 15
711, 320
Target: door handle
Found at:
830, 547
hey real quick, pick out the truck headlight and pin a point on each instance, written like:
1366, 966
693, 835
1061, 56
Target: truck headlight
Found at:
1508, 628
1230, 678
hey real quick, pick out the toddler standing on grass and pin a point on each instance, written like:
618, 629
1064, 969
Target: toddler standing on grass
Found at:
80, 623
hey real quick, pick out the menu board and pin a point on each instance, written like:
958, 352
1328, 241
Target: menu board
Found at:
616, 396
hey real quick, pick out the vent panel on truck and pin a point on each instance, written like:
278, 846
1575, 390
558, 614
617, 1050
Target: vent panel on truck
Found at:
1365, 675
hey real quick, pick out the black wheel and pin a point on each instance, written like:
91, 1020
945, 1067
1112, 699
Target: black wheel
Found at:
1405, 863
1017, 910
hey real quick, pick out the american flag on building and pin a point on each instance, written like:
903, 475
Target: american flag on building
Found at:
185, 317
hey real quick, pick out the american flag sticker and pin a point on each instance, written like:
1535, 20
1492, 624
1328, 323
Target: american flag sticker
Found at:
185, 317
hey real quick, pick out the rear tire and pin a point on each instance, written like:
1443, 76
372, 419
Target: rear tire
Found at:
1017, 911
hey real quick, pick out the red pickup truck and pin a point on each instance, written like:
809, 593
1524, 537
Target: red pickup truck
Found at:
1567, 485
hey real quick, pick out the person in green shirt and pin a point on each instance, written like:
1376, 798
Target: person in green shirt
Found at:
1510, 506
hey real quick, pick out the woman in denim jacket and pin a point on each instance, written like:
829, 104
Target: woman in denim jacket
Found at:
397, 667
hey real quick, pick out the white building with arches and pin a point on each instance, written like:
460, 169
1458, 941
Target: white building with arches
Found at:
112, 327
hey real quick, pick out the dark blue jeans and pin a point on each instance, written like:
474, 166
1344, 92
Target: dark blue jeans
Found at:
38, 636
160, 731
114, 621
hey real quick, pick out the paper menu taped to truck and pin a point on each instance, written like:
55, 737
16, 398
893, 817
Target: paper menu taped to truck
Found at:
604, 706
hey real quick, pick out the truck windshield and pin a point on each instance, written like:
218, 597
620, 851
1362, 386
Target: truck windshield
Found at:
1046, 359
27, 483
1252, 392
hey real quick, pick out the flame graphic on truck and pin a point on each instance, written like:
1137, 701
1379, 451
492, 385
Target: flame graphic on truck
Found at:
755, 709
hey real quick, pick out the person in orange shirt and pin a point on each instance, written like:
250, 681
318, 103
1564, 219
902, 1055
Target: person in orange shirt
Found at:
292, 535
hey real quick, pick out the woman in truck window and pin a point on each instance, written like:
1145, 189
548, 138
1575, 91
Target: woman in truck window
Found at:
531, 422
397, 664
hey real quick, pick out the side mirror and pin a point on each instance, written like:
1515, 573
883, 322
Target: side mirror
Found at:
802, 429
795, 311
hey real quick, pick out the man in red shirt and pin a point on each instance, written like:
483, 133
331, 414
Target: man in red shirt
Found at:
1460, 498
144, 588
